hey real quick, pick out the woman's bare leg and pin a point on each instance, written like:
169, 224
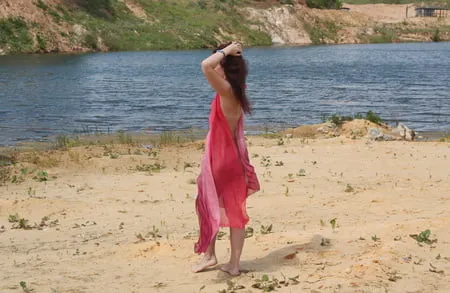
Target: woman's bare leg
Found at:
209, 258
237, 243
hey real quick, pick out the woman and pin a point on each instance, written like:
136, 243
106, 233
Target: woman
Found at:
226, 177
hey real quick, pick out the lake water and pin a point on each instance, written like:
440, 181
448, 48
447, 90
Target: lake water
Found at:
42, 96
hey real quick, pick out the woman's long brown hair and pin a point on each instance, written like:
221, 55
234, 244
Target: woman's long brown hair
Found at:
235, 69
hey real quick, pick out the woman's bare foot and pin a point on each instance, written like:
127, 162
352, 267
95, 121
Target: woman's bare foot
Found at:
228, 268
207, 261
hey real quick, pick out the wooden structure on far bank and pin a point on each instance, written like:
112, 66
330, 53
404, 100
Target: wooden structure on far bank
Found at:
432, 11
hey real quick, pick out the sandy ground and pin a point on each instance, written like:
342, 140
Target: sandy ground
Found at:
378, 193
395, 13
384, 12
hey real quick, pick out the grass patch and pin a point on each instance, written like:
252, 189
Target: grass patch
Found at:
338, 120
383, 35
42, 5
41, 176
5, 175
179, 25
42, 44
14, 35
322, 31
156, 167
445, 139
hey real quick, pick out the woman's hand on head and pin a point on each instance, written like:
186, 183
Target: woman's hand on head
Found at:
234, 49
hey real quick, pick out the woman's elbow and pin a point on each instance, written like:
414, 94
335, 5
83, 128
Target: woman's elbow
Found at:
204, 66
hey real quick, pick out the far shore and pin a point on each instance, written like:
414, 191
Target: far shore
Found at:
155, 138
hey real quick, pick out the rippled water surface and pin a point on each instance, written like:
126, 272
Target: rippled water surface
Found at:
42, 96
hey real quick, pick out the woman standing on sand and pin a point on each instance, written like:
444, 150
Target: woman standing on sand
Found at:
226, 177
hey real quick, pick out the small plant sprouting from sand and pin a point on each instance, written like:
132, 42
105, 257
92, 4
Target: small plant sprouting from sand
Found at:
31, 192
154, 233
322, 223
333, 223
22, 223
423, 237
187, 165
248, 232
375, 238
221, 235
18, 222
325, 242
159, 285
45, 222
280, 141
301, 173
266, 284
191, 235
192, 181
286, 192
265, 161
13, 218
156, 167
349, 188
41, 176
267, 173
254, 156
140, 238
24, 287
279, 163
231, 287
266, 229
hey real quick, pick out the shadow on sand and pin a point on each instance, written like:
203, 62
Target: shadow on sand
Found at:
281, 257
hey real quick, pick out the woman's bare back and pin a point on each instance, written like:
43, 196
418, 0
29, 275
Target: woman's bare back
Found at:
232, 110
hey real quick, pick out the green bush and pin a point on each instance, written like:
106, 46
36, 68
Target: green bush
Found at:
436, 37
90, 41
373, 117
339, 120
324, 4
